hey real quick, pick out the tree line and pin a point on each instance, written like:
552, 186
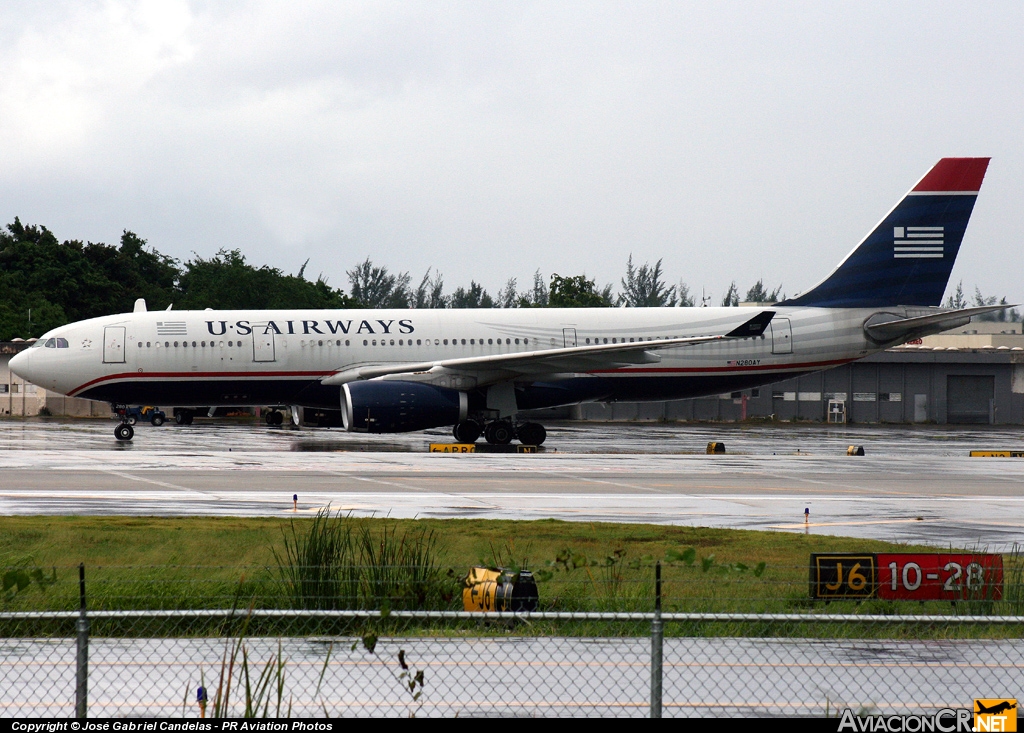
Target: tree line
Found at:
45, 283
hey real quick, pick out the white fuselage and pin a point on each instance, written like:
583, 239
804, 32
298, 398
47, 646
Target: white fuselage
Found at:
281, 356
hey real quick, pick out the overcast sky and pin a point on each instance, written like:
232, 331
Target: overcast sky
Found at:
487, 140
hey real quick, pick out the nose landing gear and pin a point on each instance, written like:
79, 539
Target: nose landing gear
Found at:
124, 431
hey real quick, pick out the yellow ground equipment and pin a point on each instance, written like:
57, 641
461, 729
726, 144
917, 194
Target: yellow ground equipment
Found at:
499, 589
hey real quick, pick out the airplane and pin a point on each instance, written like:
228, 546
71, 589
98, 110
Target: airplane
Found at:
477, 369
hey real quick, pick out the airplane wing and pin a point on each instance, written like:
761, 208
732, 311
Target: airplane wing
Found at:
496, 367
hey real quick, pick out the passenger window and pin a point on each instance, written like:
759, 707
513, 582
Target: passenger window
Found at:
392, 342
588, 341
463, 342
517, 342
364, 342
175, 344
508, 342
148, 345
526, 341
490, 341
203, 344
140, 344
446, 342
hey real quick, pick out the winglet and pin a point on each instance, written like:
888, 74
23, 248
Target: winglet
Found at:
754, 327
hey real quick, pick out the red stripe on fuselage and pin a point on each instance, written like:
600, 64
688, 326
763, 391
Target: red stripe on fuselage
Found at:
142, 376
803, 366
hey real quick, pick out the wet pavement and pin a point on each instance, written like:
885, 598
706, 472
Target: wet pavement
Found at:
518, 676
915, 484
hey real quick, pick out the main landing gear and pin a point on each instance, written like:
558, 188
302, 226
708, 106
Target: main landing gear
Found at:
274, 418
500, 432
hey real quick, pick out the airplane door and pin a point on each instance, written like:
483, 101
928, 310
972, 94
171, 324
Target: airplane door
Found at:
782, 336
262, 345
569, 336
113, 345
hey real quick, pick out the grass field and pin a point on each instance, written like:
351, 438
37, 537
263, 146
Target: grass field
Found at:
167, 563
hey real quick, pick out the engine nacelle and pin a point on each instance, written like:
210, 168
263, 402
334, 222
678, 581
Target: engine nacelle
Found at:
399, 407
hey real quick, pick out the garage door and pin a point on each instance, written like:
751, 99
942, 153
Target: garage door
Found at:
969, 398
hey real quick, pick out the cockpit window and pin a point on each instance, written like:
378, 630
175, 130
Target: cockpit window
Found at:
62, 343
51, 343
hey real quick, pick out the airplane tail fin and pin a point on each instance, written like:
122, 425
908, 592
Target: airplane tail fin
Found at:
907, 259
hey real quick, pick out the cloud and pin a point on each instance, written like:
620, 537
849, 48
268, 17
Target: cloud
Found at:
736, 142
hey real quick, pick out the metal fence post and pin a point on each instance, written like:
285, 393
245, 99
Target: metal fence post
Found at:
82, 656
657, 636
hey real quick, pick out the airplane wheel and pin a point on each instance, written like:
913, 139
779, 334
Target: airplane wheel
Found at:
124, 431
183, 418
531, 433
157, 421
499, 432
466, 431
278, 419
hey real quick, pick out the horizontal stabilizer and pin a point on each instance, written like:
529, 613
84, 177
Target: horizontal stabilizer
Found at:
933, 323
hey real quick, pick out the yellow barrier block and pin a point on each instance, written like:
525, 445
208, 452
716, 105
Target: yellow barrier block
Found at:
997, 454
453, 447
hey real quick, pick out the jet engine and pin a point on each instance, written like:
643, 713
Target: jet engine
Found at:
399, 407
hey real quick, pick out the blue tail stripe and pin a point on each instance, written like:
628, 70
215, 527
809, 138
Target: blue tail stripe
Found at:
906, 260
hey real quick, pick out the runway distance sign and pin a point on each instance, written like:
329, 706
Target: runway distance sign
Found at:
907, 576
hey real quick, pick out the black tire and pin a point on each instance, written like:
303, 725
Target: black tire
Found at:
466, 431
157, 420
499, 432
531, 433
124, 432
132, 420
183, 418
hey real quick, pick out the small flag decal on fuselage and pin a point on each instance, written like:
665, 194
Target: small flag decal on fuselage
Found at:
917, 242
170, 328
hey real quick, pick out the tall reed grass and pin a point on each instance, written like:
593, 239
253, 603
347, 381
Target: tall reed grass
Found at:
343, 563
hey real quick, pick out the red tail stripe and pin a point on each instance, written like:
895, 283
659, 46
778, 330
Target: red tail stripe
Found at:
955, 174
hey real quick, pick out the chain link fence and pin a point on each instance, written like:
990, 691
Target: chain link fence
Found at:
615, 659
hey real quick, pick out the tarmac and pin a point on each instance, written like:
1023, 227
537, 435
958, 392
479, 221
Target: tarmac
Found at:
914, 485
